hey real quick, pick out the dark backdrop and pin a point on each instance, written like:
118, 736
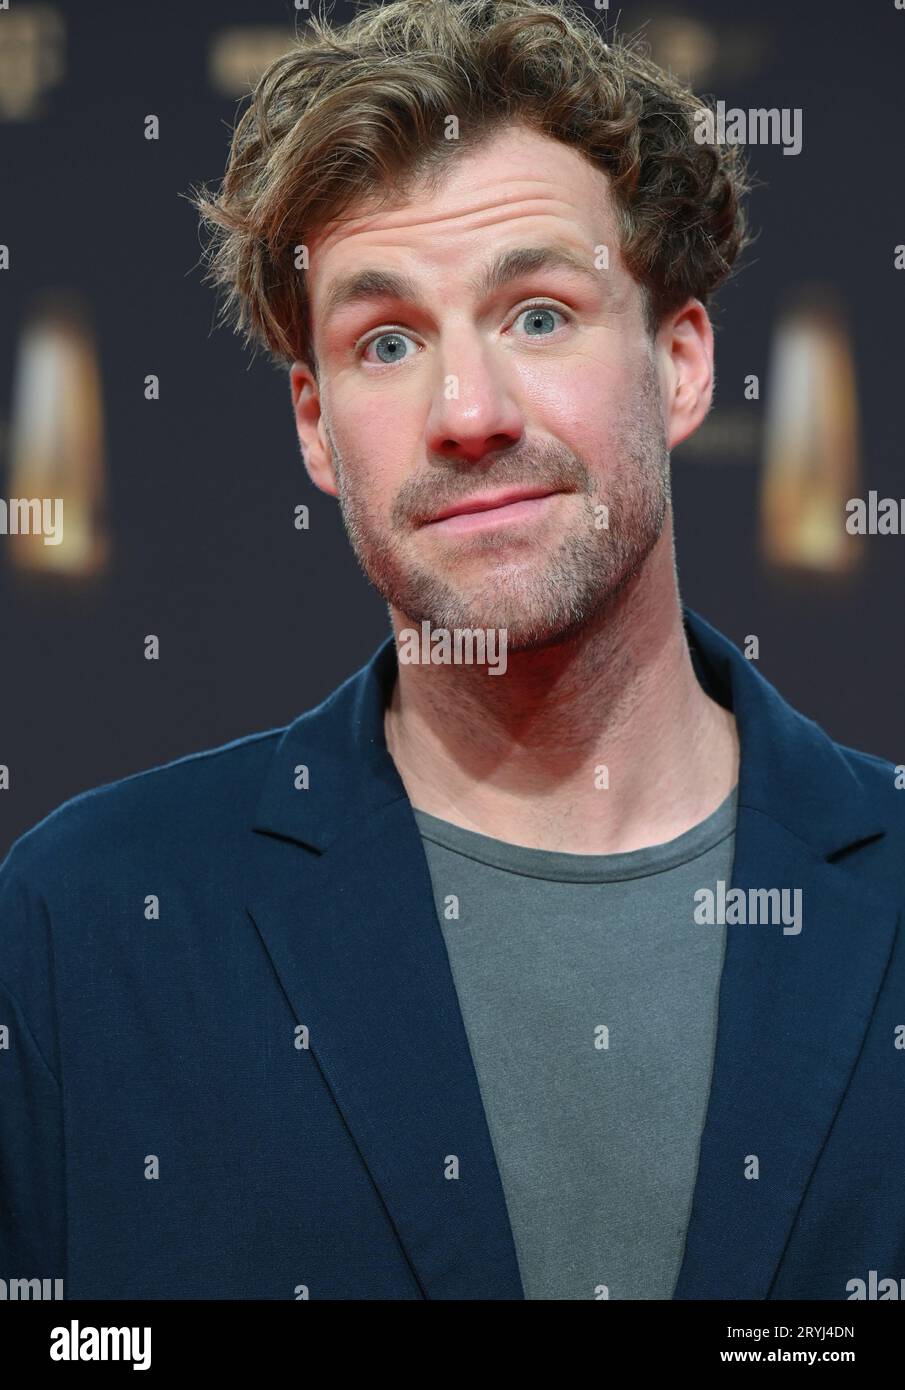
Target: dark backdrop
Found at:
257, 620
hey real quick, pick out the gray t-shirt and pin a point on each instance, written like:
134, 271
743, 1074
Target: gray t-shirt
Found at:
589, 997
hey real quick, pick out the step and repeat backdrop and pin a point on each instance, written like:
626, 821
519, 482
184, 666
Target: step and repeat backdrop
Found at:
171, 452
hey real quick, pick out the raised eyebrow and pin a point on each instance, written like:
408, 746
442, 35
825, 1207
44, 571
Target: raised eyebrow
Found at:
525, 260
365, 285
373, 283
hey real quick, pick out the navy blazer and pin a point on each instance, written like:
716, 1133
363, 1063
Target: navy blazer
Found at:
251, 1090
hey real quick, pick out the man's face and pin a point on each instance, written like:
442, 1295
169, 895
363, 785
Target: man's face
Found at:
448, 388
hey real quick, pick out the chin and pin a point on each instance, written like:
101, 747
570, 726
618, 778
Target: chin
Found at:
542, 636
525, 630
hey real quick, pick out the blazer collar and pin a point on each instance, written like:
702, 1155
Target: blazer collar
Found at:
351, 927
789, 770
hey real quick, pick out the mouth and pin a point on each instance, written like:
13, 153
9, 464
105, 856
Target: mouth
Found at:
492, 512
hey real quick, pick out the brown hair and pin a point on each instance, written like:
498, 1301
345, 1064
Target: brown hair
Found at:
359, 113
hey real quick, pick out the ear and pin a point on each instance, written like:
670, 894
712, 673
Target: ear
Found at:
685, 343
309, 424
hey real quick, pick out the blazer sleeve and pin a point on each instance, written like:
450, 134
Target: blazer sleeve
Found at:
32, 1172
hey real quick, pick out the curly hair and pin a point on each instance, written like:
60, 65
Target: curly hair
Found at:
361, 112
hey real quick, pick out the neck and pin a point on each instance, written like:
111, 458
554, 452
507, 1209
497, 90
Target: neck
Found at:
520, 757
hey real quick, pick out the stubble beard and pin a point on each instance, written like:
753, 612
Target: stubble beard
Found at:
540, 596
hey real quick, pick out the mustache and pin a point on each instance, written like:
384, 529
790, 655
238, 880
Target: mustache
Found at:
449, 483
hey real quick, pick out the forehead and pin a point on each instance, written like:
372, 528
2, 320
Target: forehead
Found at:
518, 185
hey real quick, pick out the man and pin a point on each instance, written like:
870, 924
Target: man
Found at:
567, 972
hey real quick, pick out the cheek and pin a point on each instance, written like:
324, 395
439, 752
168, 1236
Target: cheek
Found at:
580, 402
375, 448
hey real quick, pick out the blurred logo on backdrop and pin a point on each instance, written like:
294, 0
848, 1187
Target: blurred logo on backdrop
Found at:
237, 57
812, 454
697, 49
801, 428
32, 59
56, 444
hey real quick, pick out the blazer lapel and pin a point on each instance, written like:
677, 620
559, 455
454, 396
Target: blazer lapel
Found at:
343, 901
793, 1008
342, 898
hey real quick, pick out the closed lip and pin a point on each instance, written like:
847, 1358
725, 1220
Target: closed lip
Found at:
489, 501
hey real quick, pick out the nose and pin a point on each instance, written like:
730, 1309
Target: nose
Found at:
474, 410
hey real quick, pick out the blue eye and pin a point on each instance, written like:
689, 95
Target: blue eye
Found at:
540, 322
539, 316
392, 349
